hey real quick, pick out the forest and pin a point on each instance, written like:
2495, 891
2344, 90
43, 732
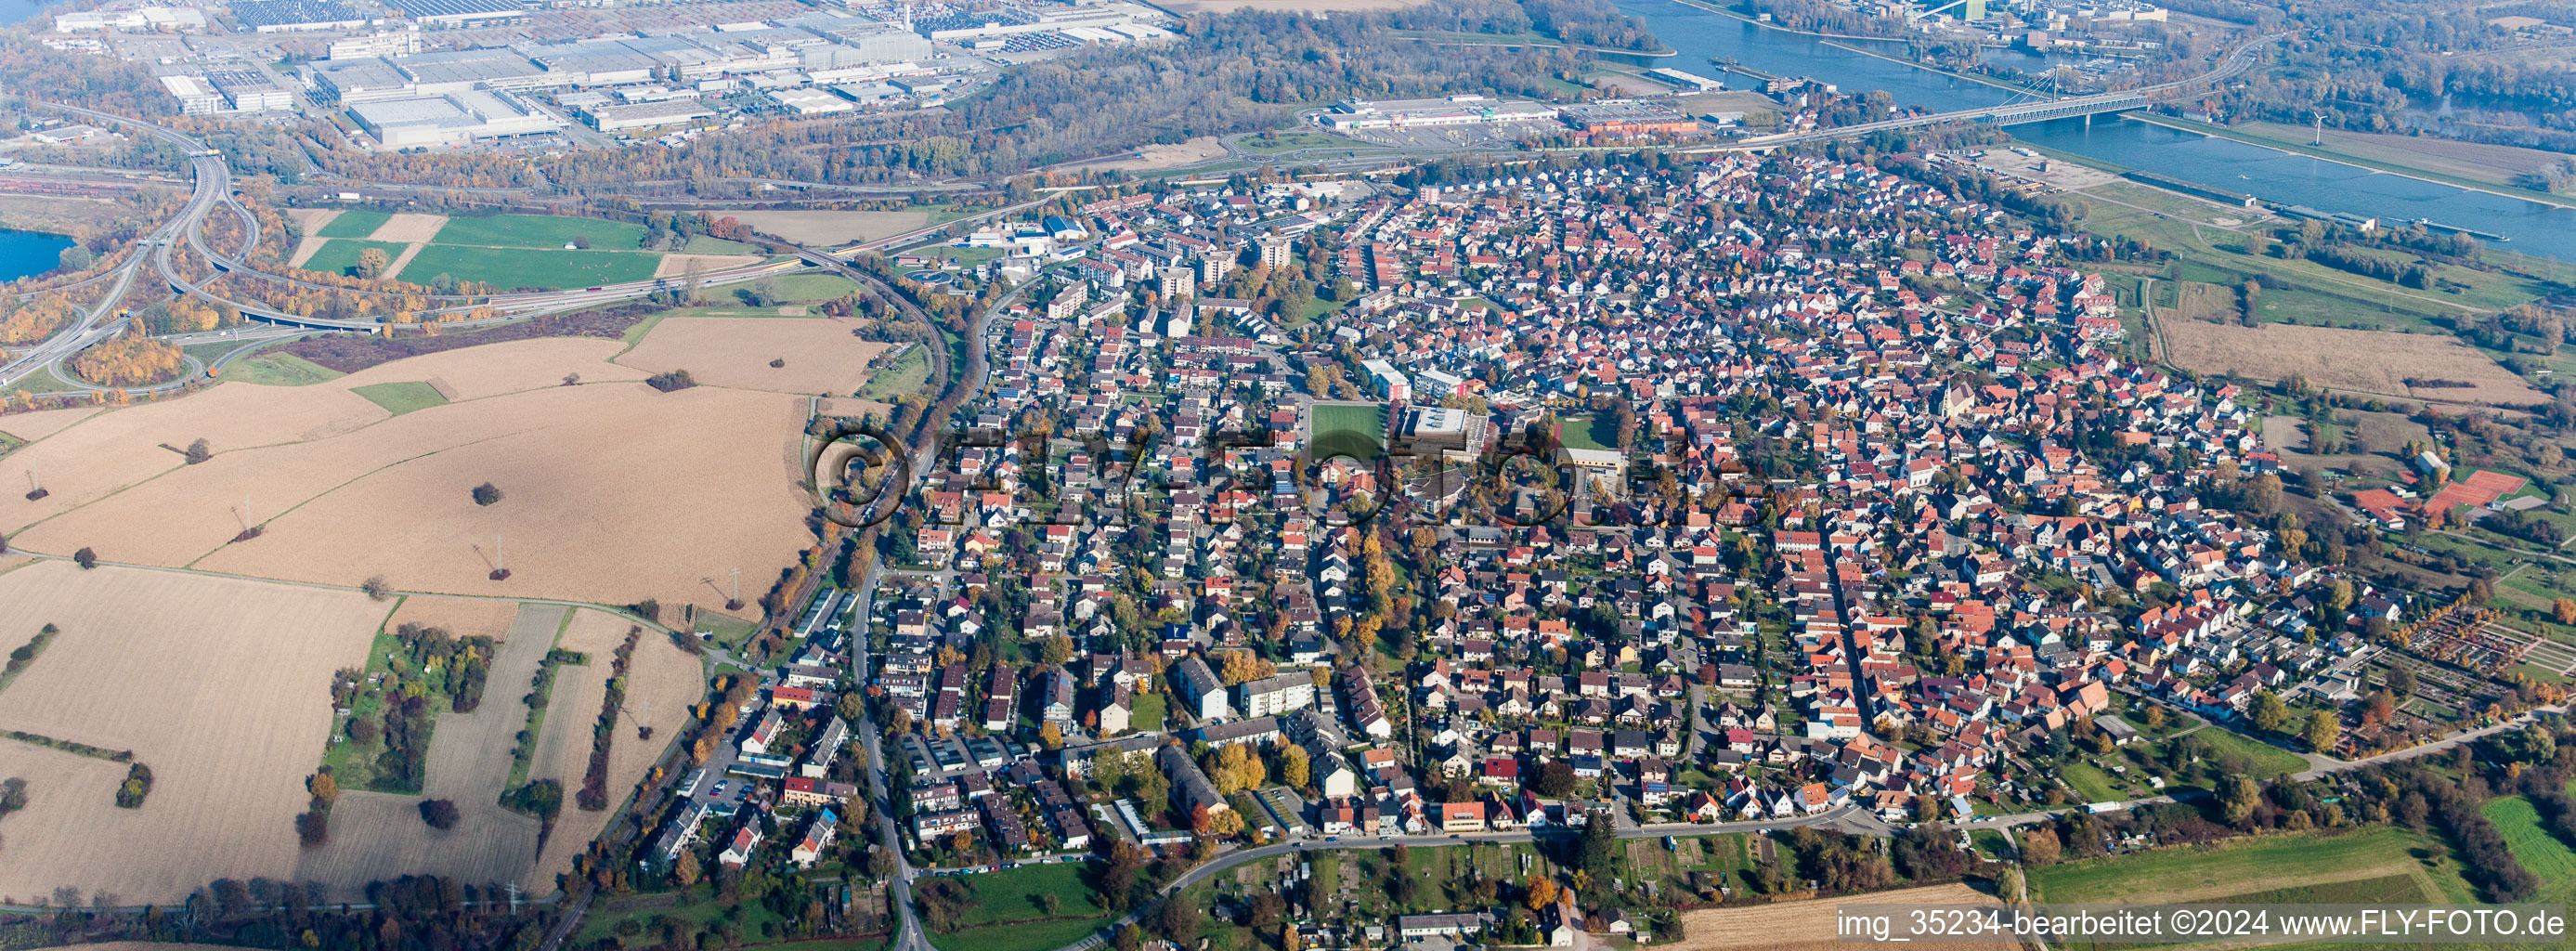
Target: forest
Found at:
2383, 66
129, 361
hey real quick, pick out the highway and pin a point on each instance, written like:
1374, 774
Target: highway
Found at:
213, 189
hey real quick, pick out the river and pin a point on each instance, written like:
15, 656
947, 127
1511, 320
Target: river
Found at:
28, 253
2269, 174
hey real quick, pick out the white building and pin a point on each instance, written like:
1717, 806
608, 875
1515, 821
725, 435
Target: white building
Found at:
196, 96
453, 119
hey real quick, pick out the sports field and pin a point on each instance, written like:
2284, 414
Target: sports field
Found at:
1356, 430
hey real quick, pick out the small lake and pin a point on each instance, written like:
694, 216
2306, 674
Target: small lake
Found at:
29, 253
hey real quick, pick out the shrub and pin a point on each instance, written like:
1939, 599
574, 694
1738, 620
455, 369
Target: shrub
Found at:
439, 813
138, 784
85, 557
374, 586
668, 382
486, 494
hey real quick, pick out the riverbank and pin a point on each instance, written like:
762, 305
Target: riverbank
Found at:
2341, 158
1723, 11
1516, 40
1952, 73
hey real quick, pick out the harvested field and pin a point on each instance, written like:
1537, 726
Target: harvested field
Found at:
377, 836
494, 370
409, 228
41, 423
312, 219
661, 684
677, 265
1206, 147
683, 486
2358, 361
304, 248
822, 356
831, 227
237, 708
1809, 925
121, 449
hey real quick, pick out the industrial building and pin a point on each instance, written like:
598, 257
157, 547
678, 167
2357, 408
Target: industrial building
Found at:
459, 13
809, 101
138, 20
453, 119
647, 115
249, 90
291, 16
1628, 118
196, 97
1454, 110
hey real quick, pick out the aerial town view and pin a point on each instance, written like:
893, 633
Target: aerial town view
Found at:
1280, 475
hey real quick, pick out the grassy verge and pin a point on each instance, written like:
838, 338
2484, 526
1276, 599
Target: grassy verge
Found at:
905, 375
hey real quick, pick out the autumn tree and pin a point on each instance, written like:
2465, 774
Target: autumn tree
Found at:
2270, 713
2322, 730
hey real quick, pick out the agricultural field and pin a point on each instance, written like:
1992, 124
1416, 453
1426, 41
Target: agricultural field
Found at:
534, 268
29, 427
1809, 925
506, 251
340, 256
353, 223
2375, 864
539, 231
345, 490
2374, 362
821, 355
662, 680
377, 836
239, 702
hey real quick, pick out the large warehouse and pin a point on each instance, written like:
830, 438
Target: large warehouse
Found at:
453, 119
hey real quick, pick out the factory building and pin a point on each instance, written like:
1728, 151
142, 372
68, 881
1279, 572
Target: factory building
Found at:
453, 119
